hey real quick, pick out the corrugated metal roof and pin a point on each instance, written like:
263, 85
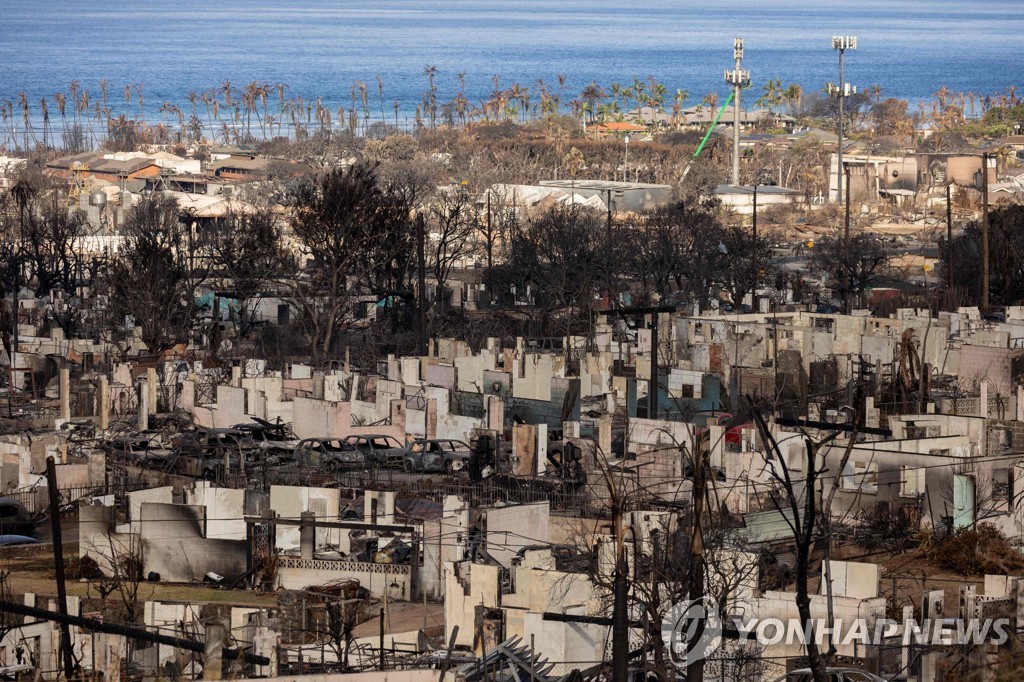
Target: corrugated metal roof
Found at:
769, 526
259, 163
95, 163
747, 189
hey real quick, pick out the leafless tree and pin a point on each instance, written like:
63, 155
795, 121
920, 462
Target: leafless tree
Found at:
350, 228
151, 282
454, 221
247, 259
672, 249
805, 503
559, 259
119, 557
851, 271
343, 615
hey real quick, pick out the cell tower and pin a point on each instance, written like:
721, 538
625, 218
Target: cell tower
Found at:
738, 79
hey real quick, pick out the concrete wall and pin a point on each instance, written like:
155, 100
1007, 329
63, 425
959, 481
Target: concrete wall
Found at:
535, 380
468, 585
147, 495
774, 604
321, 418
540, 588
852, 579
511, 528
175, 545
294, 573
981, 362
97, 538
225, 510
580, 643
444, 542
938, 457
290, 501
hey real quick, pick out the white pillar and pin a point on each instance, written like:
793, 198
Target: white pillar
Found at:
604, 435
103, 408
65, 394
143, 417
151, 385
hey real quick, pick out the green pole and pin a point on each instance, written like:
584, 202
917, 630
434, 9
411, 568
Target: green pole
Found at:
714, 123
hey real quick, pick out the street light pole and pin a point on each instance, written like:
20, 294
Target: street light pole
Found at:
625, 160
842, 43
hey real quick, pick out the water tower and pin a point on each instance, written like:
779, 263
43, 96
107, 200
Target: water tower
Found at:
98, 199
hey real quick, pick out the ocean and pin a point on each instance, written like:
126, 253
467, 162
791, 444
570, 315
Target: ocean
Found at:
320, 47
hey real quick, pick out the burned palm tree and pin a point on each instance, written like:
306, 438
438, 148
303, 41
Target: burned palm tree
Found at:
907, 385
46, 121
25, 119
61, 101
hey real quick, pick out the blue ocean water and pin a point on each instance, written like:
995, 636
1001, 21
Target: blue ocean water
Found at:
319, 47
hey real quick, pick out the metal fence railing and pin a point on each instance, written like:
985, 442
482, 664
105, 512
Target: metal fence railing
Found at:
36, 499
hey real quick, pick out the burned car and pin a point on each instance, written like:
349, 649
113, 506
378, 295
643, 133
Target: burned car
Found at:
142, 450
328, 454
434, 455
274, 440
15, 519
378, 449
206, 453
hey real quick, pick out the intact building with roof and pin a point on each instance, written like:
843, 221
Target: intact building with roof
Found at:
619, 128
240, 167
95, 165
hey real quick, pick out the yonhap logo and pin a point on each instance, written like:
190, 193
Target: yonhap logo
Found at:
692, 630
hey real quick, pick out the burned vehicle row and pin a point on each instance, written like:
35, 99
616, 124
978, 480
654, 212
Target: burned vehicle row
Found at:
259, 447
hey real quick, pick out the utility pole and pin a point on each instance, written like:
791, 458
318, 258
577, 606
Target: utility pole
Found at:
490, 241
652, 399
421, 238
841, 43
847, 266
738, 79
14, 340
131, 631
608, 252
949, 237
695, 670
58, 561
22, 194
382, 661
755, 211
620, 595
984, 230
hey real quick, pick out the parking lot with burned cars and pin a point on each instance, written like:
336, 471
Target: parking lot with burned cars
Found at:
264, 453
